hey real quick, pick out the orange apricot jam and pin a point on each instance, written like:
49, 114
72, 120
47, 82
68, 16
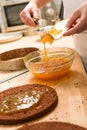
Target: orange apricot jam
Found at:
20, 102
58, 73
47, 38
54, 32
51, 68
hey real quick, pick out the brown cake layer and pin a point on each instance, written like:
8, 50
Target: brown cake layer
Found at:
16, 53
13, 59
51, 126
47, 103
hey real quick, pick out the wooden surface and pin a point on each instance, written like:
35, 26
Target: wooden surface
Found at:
71, 89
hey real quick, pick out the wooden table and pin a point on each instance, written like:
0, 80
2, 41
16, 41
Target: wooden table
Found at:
71, 89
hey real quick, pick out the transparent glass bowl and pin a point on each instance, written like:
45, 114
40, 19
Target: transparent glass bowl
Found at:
55, 65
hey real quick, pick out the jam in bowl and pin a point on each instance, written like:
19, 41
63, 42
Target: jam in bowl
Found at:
52, 65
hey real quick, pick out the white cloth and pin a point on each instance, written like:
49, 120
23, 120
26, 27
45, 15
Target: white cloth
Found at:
70, 6
80, 40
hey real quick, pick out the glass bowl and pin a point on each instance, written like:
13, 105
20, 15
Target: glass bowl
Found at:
54, 65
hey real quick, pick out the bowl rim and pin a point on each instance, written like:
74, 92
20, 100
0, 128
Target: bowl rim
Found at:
71, 54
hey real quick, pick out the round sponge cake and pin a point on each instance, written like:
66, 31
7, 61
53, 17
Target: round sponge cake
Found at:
51, 126
48, 102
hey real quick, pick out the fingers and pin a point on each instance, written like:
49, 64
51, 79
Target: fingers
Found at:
77, 22
26, 18
72, 31
72, 19
73, 24
77, 28
36, 13
29, 16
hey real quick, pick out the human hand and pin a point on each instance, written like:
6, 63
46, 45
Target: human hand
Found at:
30, 14
78, 21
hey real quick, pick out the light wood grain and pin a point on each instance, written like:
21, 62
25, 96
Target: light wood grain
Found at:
71, 90
72, 94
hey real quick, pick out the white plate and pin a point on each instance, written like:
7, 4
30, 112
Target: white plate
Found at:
61, 25
43, 30
10, 36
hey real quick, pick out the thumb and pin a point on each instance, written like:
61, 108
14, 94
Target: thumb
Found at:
36, 14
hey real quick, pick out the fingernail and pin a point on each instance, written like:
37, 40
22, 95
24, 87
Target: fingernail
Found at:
36, 21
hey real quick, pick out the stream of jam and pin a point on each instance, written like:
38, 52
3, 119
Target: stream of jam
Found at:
20, 102
49, 38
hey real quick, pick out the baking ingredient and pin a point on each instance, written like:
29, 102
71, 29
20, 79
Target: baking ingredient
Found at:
20, 102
